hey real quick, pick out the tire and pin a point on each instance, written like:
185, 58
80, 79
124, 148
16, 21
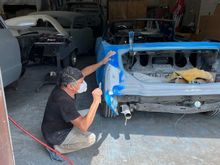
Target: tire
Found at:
212, 113
106, 111
23, 70
73, 58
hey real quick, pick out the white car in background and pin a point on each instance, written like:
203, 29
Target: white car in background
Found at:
10, 59
51, 27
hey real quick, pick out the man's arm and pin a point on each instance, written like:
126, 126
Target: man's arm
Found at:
92, 68
83, 123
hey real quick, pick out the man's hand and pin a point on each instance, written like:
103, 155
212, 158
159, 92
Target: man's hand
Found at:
107, 57
97, 93
92, 68
83, 123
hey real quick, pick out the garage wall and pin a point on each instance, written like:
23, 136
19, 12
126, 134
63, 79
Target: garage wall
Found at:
192, 9
17, 2
36, 3
126, 9
14, 2
149, 2
208, 7
209, 24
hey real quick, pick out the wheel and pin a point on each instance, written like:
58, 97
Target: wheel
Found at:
72, 58
212, 113
106, 111
23, 69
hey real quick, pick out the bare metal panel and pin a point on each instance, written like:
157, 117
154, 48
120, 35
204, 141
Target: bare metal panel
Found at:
6, 150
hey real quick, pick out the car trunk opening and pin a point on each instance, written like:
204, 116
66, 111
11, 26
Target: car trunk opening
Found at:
156, 66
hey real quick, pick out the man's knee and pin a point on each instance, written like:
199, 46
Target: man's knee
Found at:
91, 139
86, 142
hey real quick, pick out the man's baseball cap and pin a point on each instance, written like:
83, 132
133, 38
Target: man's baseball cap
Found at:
70, 75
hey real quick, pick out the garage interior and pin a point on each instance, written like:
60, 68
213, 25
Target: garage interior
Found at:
148, 137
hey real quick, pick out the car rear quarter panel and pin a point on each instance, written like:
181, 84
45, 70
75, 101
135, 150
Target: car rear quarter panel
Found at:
10, 59
116, 81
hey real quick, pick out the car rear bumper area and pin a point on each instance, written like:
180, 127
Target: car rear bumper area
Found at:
178, 104
169, 89
150, 107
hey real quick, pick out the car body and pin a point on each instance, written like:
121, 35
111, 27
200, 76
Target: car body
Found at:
92, 10
76, 25
136, 77
10, 59
49, 27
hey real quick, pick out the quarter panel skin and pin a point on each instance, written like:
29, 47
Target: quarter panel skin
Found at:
10, 61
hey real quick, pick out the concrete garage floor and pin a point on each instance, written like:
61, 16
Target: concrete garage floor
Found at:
148, 138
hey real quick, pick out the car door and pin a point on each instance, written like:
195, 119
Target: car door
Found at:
10, 59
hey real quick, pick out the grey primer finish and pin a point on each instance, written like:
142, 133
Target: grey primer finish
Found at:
52, 27
10, 59
152, 67
144, 81
76, 25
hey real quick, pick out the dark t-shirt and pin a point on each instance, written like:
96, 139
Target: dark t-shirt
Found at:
60, 110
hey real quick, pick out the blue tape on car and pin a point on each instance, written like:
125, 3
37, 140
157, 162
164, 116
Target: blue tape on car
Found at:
116, 89
176, 46
114, 61
111, 102
121, 77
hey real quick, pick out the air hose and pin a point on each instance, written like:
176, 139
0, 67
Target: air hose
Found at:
39, 141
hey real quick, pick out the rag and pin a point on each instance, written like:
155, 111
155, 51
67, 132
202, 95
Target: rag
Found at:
191, 75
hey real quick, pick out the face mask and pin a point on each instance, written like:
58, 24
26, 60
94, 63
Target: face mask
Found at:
83, 87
